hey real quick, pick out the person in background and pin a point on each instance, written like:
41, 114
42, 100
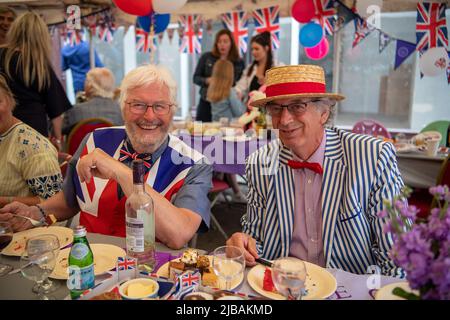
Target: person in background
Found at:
221, 95
178, 178
29, 170
99, 88
25, 60
315, 192
253, 76
225, 49
7, 17
77, 59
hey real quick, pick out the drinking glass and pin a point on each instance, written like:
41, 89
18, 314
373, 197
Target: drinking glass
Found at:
229, 264
289, 276
6, 236
38, 261
53, 243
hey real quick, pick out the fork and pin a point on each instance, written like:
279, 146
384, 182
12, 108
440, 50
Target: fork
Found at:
35, 223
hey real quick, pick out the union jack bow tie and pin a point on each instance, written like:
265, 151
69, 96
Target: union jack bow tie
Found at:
127, 154
314, 166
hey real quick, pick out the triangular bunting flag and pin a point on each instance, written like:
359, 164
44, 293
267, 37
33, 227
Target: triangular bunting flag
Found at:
448, 68
326, 15
191, 39
403, 51
170, 33
384, 41
362, 30
160, 37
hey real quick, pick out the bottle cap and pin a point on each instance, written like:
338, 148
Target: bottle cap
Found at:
80, 231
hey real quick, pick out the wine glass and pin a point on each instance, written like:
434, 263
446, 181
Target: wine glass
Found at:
229, 264
6, 236
38, 261
289, 276
53, 244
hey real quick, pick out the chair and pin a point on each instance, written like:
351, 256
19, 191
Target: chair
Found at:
219, 186
81, 129
422, 199
440, 126
372, 128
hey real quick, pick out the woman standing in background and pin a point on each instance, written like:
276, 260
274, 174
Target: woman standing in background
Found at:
224, 48
25, 60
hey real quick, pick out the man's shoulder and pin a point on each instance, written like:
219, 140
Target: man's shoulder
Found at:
269, 150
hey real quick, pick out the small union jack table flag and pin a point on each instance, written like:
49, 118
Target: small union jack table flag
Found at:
125, 263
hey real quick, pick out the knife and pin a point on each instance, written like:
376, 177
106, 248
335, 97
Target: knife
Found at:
264, 262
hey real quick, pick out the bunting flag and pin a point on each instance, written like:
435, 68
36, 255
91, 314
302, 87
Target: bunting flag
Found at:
326, 15
384, 41
191, 42
448, 68
237, 23
105, 34
170, 33
431, 26
144, 41
90, 21
73, 37
268, 19
160, 37
344, 16
362, 30
403, 51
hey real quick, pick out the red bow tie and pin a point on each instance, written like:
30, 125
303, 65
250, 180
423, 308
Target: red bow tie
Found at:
314, 166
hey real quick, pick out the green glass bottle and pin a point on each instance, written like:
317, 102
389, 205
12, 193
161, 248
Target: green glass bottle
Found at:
81, 264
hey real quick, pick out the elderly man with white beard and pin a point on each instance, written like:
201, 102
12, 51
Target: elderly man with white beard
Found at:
179, 190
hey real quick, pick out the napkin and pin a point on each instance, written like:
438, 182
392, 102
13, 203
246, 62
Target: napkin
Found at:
164, 257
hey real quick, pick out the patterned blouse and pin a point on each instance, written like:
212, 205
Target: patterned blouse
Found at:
29, 164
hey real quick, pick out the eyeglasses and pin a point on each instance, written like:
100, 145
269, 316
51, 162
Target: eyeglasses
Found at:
140, 108
295, 108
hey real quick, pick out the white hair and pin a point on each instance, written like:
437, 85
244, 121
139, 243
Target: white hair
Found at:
101, 81
330, 105
145, 75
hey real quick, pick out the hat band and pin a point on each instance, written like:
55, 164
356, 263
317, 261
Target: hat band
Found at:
281, 89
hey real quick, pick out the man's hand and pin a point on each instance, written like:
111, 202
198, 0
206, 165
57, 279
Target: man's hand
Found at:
99, 164
247, 244
16, 208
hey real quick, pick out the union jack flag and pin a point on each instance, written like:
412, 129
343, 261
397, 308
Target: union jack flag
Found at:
186, 282
237, 23
144, 42
126, 263
326, 15
431, 26
362, 30
191, 41
106, 34
268, 19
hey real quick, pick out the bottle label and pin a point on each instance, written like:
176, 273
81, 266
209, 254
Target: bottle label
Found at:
79, 251
81, 278
135, 232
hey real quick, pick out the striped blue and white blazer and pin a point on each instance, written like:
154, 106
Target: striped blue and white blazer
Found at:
359, 171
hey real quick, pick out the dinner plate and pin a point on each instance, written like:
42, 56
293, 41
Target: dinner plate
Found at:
320, 284
19, 241
105, 258
385, 293
163, 271
240, 138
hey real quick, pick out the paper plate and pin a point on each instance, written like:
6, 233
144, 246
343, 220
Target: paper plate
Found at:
163, 271
105, 258
385, 293
17, 245
319, 282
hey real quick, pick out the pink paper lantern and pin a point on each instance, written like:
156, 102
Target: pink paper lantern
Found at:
135, 7
303, 10
320, 51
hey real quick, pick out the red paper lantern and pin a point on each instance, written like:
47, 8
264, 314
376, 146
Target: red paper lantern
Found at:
135, 7
303, 10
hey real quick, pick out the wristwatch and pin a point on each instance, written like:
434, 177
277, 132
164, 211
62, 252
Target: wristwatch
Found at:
47, 219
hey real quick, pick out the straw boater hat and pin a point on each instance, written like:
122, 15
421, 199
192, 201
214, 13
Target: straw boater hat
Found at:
303, 81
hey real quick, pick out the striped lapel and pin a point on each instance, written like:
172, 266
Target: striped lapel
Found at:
285, 198
332, 184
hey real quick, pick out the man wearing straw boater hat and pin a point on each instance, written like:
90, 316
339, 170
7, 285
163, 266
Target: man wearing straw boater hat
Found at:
314, 193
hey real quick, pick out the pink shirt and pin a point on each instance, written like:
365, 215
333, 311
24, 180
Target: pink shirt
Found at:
307, 242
